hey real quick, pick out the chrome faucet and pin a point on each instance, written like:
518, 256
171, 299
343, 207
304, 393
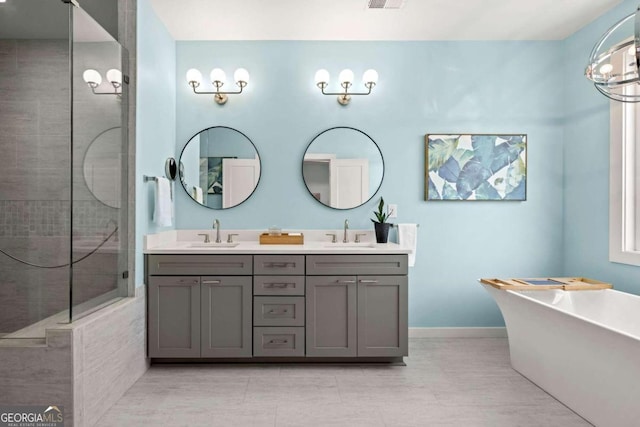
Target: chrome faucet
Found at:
216, 226
346, 227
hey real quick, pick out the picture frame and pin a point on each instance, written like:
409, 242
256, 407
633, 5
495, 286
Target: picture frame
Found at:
474, 167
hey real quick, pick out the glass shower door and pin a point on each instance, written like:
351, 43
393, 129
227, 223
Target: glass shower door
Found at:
99, 226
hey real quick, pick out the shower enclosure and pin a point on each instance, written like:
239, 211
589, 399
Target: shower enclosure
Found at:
64, 189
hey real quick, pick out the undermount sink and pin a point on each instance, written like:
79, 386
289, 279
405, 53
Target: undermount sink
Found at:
214, 245
350, 245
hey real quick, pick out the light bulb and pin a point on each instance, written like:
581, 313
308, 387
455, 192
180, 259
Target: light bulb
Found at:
218, 75
606, 69
241, 75
92, 77
115, 77
322, 76
346, 76
370, 77
194, 75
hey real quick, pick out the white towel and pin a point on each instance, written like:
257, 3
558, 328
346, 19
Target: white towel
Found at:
408, 239
197, 194
163, 212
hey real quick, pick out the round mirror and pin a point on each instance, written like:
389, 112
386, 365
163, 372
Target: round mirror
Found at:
102, 165
219, 167
343, 167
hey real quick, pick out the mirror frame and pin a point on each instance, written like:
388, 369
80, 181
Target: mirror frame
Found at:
84, 162
374, 143
181, 167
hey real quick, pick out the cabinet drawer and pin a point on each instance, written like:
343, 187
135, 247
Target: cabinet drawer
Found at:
278, 311
278, 285
218, 265
320, 265
278, 264
279, 341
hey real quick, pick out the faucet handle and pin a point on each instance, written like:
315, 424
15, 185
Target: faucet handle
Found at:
206, 237
358, 237
230, 237
334, 237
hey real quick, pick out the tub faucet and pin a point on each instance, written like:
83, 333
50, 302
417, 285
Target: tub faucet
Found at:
346, 235
216, 226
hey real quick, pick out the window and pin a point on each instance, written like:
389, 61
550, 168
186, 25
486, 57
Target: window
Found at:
624, 183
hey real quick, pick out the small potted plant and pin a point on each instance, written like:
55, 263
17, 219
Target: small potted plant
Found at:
380, 224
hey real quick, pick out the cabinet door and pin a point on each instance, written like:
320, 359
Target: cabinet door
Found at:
331, 316
174, 316
226, 316
382, 316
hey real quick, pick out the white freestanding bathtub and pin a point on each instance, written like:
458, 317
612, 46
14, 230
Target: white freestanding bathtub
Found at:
582, 347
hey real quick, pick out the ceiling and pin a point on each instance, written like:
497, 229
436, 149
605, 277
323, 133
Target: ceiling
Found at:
350, 19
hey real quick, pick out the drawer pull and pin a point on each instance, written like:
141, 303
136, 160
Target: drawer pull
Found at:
278, 342
188, 281
278, 285
277, 312
211, 282
368, 281
345, 281
279, 264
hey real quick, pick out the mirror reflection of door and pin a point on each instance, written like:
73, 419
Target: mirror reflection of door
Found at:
349, 182
239, 178
340, 183
343, 168
220, 167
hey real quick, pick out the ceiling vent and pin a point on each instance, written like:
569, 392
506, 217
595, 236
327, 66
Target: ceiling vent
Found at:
385, 4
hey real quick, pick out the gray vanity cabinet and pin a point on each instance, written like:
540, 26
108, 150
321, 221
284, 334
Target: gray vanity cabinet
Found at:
382, 316
277, 306
226, 329
174, 316
331, 316
362, 314
200, 305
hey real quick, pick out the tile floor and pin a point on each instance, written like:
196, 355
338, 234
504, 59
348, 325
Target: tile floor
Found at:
447, 382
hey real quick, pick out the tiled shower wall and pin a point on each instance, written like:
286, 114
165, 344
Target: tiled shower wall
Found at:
34, 192
34, 196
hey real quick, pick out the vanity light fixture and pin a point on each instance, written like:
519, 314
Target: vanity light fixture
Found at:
218, 79
345, 78
94, 79
614, 65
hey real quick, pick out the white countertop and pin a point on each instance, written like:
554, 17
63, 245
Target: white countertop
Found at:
316, 242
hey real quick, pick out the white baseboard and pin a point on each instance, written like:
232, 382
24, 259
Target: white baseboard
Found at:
497, 332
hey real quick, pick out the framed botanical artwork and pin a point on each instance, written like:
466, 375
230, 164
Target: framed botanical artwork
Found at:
476, 167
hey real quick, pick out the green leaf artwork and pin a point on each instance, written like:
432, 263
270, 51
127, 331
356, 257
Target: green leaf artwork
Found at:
476, 167
441, 149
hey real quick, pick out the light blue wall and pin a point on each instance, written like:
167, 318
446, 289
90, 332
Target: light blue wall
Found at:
586, 166
156, 117
424, 87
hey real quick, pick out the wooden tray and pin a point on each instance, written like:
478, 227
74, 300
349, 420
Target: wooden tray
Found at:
544, 283
283, 239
